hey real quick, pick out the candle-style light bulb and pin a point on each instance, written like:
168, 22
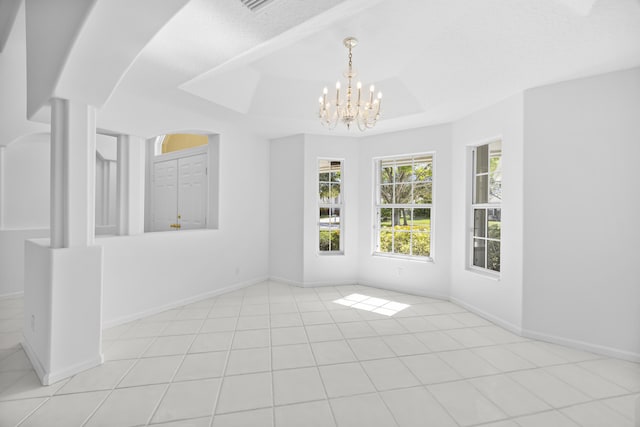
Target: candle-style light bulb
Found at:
338, 93
359, 85
371, 89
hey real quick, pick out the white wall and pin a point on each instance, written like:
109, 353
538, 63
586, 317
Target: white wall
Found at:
147, 272
286, 207
417, 277
331, 269
25, 205
499, 300
582, 145
26, 183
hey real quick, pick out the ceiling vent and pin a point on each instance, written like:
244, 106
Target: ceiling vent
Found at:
255, 5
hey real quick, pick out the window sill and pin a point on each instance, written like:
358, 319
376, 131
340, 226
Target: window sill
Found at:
336, 253
488, 274
403, 257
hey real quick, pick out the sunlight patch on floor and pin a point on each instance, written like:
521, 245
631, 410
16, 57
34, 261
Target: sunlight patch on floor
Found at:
376, 305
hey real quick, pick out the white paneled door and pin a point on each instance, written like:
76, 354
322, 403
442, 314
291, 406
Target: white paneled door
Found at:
180, 193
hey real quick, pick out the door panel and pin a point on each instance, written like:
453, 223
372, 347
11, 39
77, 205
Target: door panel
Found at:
192, 194
165, 195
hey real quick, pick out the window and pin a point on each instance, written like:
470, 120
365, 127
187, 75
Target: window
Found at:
404, 197
486, 212
330, 206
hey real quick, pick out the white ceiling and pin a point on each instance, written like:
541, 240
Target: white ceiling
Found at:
434, 60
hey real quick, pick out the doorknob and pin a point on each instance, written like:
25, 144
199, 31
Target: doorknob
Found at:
175, 226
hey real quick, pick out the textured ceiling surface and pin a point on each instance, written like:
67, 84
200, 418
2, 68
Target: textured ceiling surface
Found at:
434, 60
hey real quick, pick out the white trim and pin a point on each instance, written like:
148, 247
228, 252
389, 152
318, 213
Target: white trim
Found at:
35, 362
12, 295
181, 302
490, 317
581, 345
286, 281
403, 289
54, 377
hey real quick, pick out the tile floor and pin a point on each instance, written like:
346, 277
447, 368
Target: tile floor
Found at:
275, 355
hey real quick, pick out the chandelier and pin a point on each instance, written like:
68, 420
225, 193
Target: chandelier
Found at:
364, 112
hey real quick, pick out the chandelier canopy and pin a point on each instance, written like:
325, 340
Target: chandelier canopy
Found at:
364, 112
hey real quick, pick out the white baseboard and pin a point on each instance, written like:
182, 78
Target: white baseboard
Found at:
490, 317
581, 345
47, 378
405, 290
12, 295
286, 281
35, 361
55, 376
174, 304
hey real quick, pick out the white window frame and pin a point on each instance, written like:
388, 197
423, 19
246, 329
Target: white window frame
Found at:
473, 206
331, 205
377, 205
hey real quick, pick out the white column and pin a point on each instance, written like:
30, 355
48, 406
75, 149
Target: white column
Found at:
73, 160
130, 184
2, 195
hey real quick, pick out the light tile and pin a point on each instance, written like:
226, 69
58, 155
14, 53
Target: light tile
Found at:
169, 346
570, 354
251, 339
305, 306
388, 374
66, 410
345, 379
252, 322
467, 364
469, 338
629, 405
256, 418
503, 359
625, 374
248, 361
328, 332
590, 384
254, 309
310, 414
284, 336
535, 353
285, 320
498, 335
292, 356
548, 388
29, 386
221, 324
430, 369
370, 348
244, 392
153, 370
217, 341
15, 360
445, 321
345, 316
144, 330
297, 385
194, 422
387, 327
282, 308
7, 379
316, 317
415, 407
466, 404
224, 311
13, 411
189, 399
596, 414
103, 377
438, 341
126, 349
417, 324
202, 365
405, 345
470, 320
509, 396
128, 406
357, 330
192, 313
364, 410
544, 419
183, 327
330, 352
